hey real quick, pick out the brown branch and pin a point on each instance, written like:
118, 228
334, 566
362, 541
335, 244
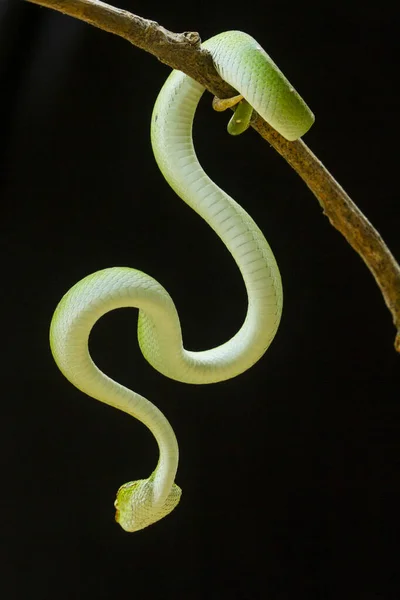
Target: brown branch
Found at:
182, 51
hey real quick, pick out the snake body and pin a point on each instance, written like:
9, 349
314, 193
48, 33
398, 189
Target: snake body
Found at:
241, 62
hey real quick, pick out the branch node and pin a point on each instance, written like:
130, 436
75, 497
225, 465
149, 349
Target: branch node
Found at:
193, 37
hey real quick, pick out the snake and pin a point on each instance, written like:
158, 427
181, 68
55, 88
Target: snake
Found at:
241, 62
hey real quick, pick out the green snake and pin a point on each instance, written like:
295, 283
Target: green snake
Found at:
240, 61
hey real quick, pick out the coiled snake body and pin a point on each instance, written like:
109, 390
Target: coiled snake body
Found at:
241, 62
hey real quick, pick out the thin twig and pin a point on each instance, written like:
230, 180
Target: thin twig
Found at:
182, 51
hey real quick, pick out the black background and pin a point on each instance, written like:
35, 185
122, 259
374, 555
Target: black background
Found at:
289, 472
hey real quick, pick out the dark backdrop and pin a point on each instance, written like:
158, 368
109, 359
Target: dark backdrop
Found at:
290, 471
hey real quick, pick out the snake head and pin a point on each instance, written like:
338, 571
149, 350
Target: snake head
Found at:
136, 507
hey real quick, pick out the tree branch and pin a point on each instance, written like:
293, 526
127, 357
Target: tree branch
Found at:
182, 51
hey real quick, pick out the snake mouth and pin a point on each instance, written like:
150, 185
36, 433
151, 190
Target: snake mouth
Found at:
116, 510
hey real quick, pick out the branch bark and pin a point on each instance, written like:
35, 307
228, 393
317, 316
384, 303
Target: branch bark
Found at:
183, 51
